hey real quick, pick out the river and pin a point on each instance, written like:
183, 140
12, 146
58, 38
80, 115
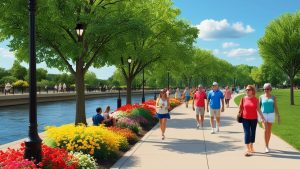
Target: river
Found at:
14, 119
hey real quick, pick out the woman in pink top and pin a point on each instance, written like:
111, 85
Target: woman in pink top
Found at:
227, 95
249, 106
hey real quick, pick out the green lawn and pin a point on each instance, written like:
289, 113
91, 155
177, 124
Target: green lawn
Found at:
289, 129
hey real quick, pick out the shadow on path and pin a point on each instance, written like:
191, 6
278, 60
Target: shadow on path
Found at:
280, 154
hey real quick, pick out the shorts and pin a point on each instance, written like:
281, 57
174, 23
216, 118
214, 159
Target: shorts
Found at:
163, 116
269, 117
214, 112
200, 110
187, 98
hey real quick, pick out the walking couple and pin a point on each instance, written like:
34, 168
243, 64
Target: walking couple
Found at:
266, 106
213, 106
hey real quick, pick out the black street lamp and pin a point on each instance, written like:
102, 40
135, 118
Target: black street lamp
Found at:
143, 97
33, 143
79, 31
119, 101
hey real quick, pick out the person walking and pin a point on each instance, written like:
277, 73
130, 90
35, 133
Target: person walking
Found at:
227, 94
59, 87
249, 106
7, 88
187, 95
215, 96
64, 87
163, 106
98, 118
177, 94
199, 102
268, 105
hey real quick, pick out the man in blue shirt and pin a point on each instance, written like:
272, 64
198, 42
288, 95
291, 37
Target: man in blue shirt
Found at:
98, 118
215, 96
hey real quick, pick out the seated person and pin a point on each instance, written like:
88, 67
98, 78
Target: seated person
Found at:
108, 119
98, 118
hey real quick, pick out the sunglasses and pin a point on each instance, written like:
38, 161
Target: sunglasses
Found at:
267, 89
248, 90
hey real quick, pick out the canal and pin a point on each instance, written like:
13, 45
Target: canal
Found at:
14, 119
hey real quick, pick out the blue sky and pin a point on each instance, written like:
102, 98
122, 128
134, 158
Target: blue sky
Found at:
229, 28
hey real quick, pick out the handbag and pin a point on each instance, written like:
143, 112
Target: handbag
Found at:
239, 117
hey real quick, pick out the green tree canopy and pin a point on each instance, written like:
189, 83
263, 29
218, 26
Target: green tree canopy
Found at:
18, 71
280, 45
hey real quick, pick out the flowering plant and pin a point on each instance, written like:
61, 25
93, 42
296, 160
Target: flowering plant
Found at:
119, 114
129, 123
53, 158
97, 141
127, 133
150, 102
85, 160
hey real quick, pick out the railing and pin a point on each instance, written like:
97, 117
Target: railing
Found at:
49, 90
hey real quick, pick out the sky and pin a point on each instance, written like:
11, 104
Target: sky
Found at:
229, 28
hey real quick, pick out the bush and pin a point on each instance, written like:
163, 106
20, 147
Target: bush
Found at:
140, 112
21, 83
129, 123
85, 160
125, 132
97, 141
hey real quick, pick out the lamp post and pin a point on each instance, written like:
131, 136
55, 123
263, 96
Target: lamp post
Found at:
79, 30
33, 142
143, 97
119, 101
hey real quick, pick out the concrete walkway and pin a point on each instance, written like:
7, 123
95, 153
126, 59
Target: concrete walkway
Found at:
187, 147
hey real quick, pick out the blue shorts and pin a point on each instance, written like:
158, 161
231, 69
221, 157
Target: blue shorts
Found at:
163, 116
187, 98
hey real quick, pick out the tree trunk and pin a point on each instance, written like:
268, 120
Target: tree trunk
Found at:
80, 94
128, 96
292, 91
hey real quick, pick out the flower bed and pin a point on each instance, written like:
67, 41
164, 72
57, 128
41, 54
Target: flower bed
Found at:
70, 146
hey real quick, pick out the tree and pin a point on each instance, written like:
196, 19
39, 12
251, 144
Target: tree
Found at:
91, 79
156, 35
41, 74
18, 71
57, 43
280, 45
4, 72
8, 79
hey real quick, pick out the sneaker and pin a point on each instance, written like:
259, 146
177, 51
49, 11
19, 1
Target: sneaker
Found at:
198, 126
217, 129
267, 150
212, 131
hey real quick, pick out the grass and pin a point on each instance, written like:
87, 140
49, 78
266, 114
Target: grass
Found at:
289, 128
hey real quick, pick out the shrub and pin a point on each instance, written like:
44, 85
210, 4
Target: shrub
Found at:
129, 123
125, 132
97, 141
120, 114
21, 83
140, 112
85, 160
52, 158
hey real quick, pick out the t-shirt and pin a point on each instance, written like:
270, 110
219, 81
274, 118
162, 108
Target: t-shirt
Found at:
249, 108
97, 119
215, 99
187, 93
200, 98
227, 94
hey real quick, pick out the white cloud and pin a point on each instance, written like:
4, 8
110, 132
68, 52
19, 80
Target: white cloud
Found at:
250, 59
230, 45
5, 53
241, 52
212, 29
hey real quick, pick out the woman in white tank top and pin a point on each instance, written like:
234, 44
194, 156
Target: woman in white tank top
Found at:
162, 105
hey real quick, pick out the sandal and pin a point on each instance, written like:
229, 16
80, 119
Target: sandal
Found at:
248, 154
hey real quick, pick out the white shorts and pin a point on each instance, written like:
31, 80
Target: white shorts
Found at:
269, 117
200, 110
214, 112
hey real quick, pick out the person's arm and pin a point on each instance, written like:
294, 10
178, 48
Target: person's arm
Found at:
193, 103
169, 105
276, 110
260, 113
222, 101
207, 103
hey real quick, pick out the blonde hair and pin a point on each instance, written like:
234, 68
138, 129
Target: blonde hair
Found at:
252, 88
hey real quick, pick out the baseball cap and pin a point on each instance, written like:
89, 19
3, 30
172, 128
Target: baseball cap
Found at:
215, 84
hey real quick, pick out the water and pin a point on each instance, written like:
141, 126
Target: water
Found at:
14, 119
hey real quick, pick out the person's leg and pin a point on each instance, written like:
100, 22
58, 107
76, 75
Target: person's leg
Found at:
202, 120
268, 134
218, 114
246, 127
161, 126
212, 122
164, 124
197, 116
253, 124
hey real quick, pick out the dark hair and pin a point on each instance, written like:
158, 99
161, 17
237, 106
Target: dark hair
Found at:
99, 110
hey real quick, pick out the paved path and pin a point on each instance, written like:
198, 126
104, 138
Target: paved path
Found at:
187, 147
